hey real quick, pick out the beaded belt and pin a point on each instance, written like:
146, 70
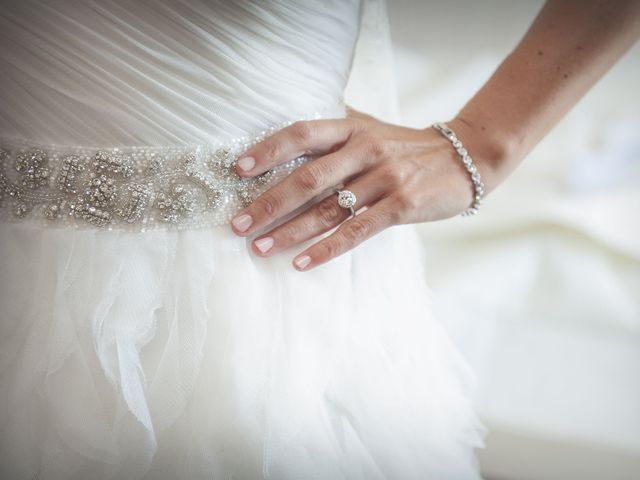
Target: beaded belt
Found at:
135, 188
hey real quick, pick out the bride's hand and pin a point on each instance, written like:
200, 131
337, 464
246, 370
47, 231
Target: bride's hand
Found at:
402, 175
405, 175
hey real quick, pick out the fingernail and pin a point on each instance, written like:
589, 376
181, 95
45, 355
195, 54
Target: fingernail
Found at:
302, 262
246, 163
242, 222
264, 244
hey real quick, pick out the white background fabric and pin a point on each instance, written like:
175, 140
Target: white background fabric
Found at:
541, 290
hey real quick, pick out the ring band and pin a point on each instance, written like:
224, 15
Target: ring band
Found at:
347, 199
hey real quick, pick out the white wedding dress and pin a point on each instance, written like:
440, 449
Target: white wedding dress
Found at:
140, 337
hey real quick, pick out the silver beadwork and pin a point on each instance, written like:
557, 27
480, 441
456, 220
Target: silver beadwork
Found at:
32, 165
478, 186
134, 188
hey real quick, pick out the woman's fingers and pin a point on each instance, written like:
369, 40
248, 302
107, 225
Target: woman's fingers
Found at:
311, 137
347, 150
401, 175
349, 234
320, 217
302, 185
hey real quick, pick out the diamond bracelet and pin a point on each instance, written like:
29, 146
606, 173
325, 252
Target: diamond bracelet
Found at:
478, 186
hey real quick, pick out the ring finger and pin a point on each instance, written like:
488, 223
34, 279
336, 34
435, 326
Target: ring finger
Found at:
320, 217
305, 183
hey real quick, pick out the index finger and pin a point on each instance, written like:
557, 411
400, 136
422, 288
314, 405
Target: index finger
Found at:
305, 137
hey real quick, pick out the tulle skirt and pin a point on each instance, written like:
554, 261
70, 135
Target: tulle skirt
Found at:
173, 354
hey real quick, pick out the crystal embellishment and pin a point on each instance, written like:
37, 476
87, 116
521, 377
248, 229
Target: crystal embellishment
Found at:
32, 165
478, 186
346, 198
133, 188
176, 204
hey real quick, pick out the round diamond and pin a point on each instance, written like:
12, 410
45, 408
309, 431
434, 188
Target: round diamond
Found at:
346, 198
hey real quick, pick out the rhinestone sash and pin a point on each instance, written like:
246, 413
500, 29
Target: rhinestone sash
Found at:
133, 188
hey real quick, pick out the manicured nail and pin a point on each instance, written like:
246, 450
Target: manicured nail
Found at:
242, 222
264, 244
246, 163
302, 262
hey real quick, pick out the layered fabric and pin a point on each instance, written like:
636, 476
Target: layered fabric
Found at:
167, 353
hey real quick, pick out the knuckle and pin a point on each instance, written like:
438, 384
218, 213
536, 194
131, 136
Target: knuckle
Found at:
267, 204
329, 212
272, 150
288, 234
311, 178
357, 229
355, 124
396, 216
392, 176
329, 248
405, 202
303, 131
377, 147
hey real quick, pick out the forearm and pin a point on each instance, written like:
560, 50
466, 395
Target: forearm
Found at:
569, 46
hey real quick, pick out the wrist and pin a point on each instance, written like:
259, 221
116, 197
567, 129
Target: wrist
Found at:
491, 150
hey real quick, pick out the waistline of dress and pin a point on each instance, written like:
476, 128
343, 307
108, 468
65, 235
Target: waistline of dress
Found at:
133, 188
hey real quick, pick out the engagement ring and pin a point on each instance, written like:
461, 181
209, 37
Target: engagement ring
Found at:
347, 199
